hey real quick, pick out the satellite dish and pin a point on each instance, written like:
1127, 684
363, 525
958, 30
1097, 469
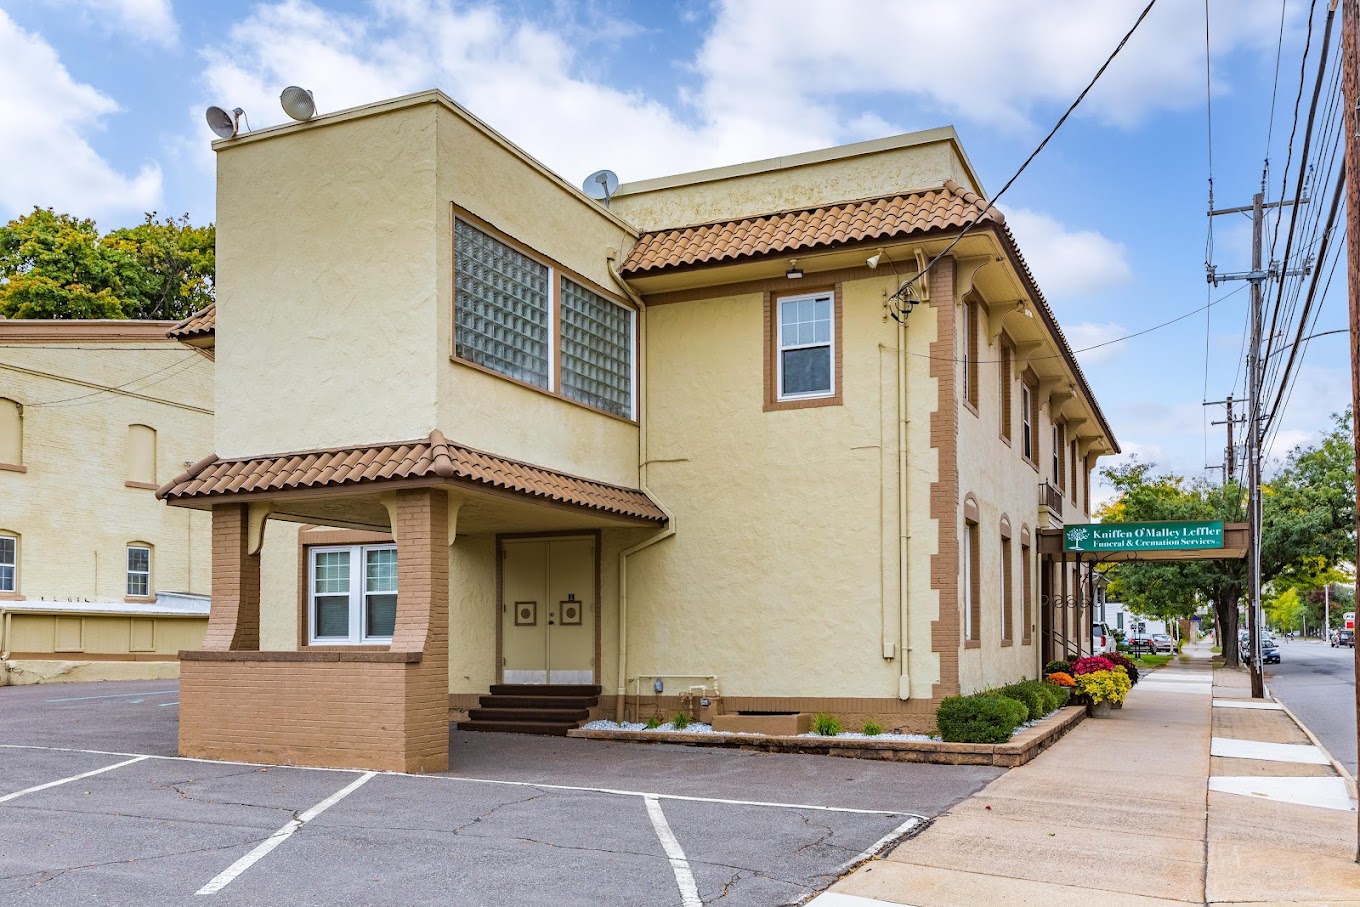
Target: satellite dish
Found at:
601, 186
298, 103
223, 124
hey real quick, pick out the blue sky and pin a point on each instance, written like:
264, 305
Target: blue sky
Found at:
103, 105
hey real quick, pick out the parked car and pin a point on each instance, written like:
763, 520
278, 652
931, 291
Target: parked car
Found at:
1162, 642
1270, 651
1343, 637
1140, 643
1102, 639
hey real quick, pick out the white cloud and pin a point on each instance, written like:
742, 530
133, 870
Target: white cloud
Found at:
152, 21
1067, 262
1091, 340
988, 61
50, 161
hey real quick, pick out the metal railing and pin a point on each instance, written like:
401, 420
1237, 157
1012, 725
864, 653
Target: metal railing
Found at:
1050, 496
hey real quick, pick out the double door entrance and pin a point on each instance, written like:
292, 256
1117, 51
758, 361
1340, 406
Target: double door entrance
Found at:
548, 610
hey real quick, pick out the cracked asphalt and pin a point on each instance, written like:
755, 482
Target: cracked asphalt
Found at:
519, 821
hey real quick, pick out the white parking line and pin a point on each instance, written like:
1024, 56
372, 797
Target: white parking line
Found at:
873, 849
225, 877
99, 771
114, 696
534, 784
689, 891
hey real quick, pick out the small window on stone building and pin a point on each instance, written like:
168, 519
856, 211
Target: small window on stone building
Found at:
806, 357
9, 563
139, 571
141, 455
972, 583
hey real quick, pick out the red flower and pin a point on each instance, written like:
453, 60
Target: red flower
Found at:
1092, 664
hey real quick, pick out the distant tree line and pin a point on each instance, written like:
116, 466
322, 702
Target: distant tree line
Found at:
59, 266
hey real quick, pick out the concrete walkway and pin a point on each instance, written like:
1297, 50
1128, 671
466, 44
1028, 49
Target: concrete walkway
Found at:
1121, 810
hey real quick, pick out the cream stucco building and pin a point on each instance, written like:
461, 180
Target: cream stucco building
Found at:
552, 458
98, 579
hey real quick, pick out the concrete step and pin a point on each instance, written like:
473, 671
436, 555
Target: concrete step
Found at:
531, 689
564, 716
544, 728
538, 702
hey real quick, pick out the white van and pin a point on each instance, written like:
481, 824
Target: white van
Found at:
1102, 639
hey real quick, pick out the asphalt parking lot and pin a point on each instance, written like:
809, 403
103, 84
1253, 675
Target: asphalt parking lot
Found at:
96, 809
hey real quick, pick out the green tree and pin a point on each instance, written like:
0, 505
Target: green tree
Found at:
58, 266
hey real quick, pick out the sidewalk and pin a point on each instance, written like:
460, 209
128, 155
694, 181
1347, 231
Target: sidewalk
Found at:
1121, 810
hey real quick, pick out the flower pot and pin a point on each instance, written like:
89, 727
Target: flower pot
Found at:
1098, 710
1117, 705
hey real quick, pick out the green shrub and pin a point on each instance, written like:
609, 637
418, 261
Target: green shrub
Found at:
1058, 667
826, 726
980, 718
653, 723
680, 721
1027, 693
1061, 695
872, 729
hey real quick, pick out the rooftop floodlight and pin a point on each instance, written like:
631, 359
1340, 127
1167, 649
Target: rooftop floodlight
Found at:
298, 103
794, 272
223, 124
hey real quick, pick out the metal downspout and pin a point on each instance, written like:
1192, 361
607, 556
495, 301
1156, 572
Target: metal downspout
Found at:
903, 526
621, 691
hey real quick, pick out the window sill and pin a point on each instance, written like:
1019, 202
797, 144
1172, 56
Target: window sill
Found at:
1032, 464
148, 486
1027, 641
972, 644
458, 360
13, 467
772, 406
138, 599
972, 408
1007, 642
354, 654
12, 597
1005, 440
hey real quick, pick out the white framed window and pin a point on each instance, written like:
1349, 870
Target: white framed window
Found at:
502, 317
805, 347
596, 350
972, 583
352, 594
9, 563
139, 570
1057, 458
1026, 426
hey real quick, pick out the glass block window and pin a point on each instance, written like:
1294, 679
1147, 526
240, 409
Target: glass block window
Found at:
353, 594
138, 570
501, 319
597, 350
9, 556
805, 347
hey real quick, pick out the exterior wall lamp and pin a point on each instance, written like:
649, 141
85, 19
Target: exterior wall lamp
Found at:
794, 272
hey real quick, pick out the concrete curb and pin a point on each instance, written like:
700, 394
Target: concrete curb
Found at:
1336, 766
1021, 749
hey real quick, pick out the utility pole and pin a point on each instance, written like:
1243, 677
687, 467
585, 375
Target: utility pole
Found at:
1350, 88
1257, 276
1230, 456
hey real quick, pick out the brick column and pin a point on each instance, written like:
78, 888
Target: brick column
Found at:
234, 622
422, 533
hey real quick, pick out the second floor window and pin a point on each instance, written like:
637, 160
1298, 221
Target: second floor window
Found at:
138, 571
1026, 422
597, 350
805, 347
501, 319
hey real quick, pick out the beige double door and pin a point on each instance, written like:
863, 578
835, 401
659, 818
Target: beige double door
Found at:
548, 610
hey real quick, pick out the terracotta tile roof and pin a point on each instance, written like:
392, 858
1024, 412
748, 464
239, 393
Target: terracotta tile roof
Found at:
892, 217
428, 457
199, 324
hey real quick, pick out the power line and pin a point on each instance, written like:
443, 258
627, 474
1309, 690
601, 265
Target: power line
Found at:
115, 388
902, 292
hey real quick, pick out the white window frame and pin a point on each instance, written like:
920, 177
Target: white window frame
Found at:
127, 562
780, 348
1007, 623
968, 555
1027, 426
1057, 458
358, 596
13, 565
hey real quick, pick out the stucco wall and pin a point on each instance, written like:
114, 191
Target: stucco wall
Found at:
71, 508
782, 578
743, 191
326, 285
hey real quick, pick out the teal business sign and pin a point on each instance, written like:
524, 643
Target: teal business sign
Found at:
1170, 536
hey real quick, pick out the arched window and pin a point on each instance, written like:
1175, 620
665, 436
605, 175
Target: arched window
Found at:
139, 583
11, 433
9, 563
141, 455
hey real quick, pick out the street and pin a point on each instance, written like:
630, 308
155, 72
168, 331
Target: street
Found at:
1317, 682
